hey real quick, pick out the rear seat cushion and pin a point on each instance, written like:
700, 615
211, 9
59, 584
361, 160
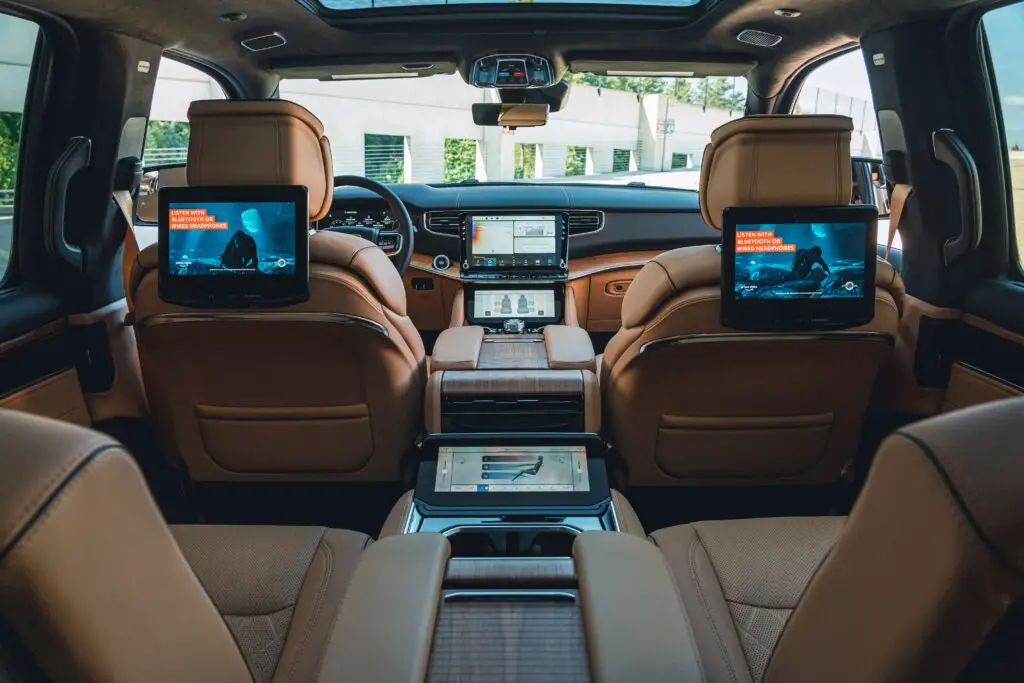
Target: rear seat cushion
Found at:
740, 580
278, 589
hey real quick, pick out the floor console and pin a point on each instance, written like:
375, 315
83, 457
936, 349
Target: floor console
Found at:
513, 383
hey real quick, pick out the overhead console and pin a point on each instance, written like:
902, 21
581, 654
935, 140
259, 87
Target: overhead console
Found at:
512, 71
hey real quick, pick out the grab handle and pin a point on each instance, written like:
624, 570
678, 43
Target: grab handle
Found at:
950, 150
74, 158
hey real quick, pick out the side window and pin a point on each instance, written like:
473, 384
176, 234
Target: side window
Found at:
1002, 28
840, 86
17, 49
177, 86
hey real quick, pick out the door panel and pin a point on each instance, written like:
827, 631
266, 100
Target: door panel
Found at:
37, 358
969, 386
607, 290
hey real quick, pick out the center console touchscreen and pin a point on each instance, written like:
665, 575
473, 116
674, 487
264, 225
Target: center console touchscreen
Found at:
507, 469
514, 245
233, 247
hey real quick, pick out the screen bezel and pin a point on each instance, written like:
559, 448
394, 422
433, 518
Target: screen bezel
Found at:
597, 472
559, 270
222, 291
469, 298
778, 315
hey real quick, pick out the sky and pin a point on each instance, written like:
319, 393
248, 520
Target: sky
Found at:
1003, 27
845, 74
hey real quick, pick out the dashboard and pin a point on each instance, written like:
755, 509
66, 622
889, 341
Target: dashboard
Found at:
600, 219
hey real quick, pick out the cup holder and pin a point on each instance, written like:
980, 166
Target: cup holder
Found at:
521, 541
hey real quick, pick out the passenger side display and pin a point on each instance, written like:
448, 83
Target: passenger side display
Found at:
798, 268
230, 247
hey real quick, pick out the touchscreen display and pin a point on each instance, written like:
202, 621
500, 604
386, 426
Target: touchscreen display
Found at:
513, 241
518, 469
527, 303
800, 261
231, 238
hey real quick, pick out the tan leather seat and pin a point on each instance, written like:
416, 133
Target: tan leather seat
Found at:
904, 590
687, 400
98, 588
328, 389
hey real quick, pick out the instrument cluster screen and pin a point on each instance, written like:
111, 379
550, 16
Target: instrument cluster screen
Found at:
366, 218
516, 242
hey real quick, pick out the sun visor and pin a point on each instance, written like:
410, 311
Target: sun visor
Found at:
412, 68
657, 69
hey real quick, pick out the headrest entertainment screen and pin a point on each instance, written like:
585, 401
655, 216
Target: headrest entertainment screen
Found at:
231, 247
798, 268
511, 243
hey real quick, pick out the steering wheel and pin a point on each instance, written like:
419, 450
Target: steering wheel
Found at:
398, 241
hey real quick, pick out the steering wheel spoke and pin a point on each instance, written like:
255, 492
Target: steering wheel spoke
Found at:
397, 240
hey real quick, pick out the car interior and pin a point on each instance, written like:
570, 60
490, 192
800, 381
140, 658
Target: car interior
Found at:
493, 341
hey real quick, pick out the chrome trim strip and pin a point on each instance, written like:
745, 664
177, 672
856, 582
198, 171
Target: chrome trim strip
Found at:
412, 520
267, 316
728, 337
513, 341
463, 595
615, 514
525, 526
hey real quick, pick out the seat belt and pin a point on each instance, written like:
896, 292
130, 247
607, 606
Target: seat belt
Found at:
898, 201
123, 199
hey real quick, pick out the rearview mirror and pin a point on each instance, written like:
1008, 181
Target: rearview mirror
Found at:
146, 207
510, 115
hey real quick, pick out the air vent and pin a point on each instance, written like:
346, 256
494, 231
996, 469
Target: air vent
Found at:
759, 38
444, 222
585, 222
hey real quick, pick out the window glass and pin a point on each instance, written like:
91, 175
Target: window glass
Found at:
840, 86
1002, 29
177, 86
17, 48
613, 130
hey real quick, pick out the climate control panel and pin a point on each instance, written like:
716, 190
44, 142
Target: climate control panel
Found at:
512, 71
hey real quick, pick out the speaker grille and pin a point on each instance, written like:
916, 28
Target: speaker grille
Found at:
759, 38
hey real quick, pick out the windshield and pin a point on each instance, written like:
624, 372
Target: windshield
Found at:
613, 130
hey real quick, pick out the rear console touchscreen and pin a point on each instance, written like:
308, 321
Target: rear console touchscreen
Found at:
511, 469
514, 245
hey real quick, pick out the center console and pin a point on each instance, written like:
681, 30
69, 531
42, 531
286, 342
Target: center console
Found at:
514, 268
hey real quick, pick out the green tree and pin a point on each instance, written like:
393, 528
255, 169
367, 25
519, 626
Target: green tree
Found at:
384, 158
525, 161
10, 138
716, 92
575, 160
166, 135
459, 160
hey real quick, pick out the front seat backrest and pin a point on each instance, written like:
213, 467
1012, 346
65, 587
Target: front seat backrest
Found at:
331, 388
689, 401
927, 563
90, 576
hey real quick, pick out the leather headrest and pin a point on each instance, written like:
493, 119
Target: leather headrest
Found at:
776, 161
260, 142
975, 452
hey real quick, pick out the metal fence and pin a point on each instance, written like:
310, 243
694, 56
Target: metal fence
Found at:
7, 197
155, 156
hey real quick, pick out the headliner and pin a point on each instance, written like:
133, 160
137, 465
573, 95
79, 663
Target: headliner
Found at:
194, 27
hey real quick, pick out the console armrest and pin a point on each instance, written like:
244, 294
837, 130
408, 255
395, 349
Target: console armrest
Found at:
623, 582
569, 348
457, 348
385, 625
